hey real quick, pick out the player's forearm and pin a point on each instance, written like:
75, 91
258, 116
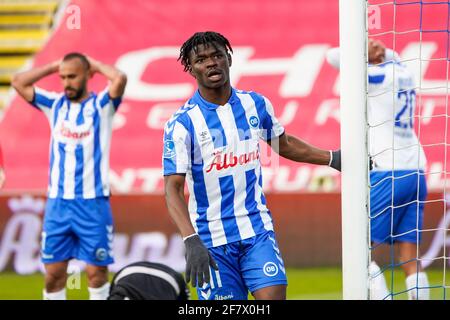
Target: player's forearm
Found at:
110, 72
297, 150
118, 78
28, 78
178, 210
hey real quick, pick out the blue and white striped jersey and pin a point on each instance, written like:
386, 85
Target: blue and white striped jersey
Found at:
217, 148
393, 143
80, 143
391, 102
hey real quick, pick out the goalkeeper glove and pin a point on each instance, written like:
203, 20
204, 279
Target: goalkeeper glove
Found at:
335, 161
198, 260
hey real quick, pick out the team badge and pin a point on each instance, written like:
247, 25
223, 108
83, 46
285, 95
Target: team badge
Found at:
254, 121
88, 111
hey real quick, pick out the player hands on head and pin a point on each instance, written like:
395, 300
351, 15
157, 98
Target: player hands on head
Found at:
78, 220
404, 165
212, 143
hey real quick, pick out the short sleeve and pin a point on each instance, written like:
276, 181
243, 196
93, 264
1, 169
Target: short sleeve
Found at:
43, 99
270, 126
177, 149
105, 100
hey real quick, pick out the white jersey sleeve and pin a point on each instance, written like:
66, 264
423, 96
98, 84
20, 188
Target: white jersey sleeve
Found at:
45, 100
177, 148
104, 100
393, 143
333, 56
271, 126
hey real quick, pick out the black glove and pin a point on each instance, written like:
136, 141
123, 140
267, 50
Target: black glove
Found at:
336, 160
198, 260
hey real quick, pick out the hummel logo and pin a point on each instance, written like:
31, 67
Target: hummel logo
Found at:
206, 294
203, 135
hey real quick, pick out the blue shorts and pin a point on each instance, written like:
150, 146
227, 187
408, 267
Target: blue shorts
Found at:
244, 266
401, 220
80, 228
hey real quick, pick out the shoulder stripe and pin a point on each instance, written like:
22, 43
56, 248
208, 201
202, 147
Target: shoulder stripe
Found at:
171, 123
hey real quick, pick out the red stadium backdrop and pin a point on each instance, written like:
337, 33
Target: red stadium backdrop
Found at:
279, 51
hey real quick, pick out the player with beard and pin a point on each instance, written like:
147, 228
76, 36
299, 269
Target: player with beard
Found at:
78, 219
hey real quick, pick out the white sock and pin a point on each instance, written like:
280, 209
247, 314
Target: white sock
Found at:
377, 283
418, 286
101, 293
58, 295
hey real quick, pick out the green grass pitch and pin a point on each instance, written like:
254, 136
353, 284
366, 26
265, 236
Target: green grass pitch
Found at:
304, 284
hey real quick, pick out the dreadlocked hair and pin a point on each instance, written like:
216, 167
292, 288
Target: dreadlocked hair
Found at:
205, 38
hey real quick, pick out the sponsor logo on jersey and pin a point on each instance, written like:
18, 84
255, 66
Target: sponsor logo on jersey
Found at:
227, 297
66, 132
229, 160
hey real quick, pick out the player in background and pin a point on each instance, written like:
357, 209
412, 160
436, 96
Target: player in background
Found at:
78, 220
212, 143
397, 178
2, 170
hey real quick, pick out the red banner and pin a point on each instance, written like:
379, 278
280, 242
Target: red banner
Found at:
279, 51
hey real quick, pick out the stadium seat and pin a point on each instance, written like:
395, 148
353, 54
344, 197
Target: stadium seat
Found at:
24, 28
12, 21
21, 6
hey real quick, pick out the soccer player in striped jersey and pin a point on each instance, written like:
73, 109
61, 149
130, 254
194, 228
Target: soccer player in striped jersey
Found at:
397, 178
78, 220
2, 170
212, 143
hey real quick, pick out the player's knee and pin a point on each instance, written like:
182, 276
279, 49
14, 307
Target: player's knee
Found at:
55, 280
97, 276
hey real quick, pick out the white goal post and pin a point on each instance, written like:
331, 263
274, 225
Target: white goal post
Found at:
354, 184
